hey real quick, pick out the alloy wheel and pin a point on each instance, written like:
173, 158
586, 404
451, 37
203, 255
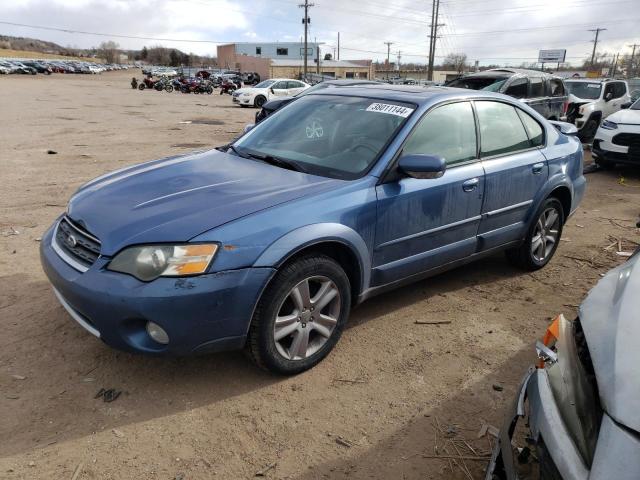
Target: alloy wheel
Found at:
306, 318
545, 235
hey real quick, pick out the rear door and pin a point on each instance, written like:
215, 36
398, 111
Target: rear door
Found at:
426, 223
515, 169
294, 87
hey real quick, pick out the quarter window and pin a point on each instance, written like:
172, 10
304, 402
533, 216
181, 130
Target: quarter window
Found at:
501, 130
534, 130
448, 131
518, 88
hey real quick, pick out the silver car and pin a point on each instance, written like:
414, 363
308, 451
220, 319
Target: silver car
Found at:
582, 400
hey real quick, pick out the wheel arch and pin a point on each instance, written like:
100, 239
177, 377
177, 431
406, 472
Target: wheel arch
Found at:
563, 194
337, 241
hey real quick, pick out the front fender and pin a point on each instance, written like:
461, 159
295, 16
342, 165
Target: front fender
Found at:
296, 240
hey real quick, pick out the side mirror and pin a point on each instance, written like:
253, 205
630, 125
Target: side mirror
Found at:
422, 166
565, 127
608, 96
626, 105
271, 90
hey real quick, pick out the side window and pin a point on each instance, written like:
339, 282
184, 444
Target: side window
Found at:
619, 89
518, 88
537, 87
556, 87
294, 85
501, 130
258, 50
282, 51
448, 131
534, 130
608, 89
279, 85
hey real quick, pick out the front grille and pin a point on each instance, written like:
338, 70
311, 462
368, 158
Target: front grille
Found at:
627, 139
76, 243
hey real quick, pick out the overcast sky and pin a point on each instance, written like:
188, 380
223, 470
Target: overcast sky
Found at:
499, 31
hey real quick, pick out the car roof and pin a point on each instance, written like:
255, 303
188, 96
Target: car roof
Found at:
407, 93
593, 80
351, 82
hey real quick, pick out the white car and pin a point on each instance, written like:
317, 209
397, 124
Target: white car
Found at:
592, 100
268, 89
618, 138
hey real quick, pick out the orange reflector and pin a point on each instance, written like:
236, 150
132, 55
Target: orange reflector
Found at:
191, 268
199, 250
550, 336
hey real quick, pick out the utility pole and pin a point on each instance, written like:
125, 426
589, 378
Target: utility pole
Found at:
631, 69
306, 20
435, 12
388, 44
614, 66
595, 43
338, 48
399, 57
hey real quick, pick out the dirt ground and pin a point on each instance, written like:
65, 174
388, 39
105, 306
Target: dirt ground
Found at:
391, 394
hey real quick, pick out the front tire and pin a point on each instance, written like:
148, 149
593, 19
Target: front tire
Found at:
300, 315
542, 237
142, 86
259, 101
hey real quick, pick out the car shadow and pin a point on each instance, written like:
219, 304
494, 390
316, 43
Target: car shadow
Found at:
65, 367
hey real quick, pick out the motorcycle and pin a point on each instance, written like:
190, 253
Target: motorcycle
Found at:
227, 87
159, 85
195, 86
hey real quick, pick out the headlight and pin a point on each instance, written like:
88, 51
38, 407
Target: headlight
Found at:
148, 262
246, 94
609, 125
568, 364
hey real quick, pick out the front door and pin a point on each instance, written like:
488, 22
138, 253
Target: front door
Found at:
515, 170
423, 224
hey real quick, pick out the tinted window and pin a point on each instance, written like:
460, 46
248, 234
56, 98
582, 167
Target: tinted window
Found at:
491, 84
501, 130
619, 89
534, 130
294, 85
608, 90
448, 131
282, 51
537, 87
518, 88
258, 50
556, 88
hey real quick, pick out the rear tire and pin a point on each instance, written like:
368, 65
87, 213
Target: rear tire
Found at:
308, 324
168, 88
538, 248
142, 86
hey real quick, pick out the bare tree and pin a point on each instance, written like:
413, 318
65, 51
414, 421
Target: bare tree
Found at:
455, 61
109, 51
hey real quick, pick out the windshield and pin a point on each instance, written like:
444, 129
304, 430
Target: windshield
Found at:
588, 90
635, 106
490, 84
328, 135
265, 84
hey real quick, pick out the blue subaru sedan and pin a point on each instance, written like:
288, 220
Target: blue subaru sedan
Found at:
266, 243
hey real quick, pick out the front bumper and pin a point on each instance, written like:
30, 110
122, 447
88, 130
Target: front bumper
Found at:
201, 314
604, 145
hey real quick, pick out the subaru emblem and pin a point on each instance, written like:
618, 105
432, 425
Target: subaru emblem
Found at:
71, 241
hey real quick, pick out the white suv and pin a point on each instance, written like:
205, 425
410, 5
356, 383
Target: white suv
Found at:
591, 101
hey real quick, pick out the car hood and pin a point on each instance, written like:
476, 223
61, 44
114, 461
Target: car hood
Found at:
625, 117
610, 319
178, 198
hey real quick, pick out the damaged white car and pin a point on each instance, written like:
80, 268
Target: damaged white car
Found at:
582, 400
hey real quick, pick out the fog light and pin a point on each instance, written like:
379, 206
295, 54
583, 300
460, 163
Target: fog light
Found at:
156, 332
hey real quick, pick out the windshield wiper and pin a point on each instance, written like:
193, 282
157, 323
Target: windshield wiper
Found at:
277, 161
229, 146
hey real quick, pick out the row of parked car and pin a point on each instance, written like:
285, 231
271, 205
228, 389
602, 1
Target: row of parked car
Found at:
47, 67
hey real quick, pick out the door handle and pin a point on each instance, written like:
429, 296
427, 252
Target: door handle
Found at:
537, 168
470, 185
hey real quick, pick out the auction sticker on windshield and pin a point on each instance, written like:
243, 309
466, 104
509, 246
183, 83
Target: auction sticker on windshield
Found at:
390, 109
